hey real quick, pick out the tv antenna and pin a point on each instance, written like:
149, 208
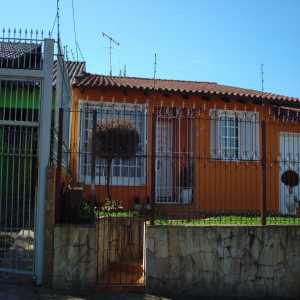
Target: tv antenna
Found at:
155, 70
111, 41
262, 77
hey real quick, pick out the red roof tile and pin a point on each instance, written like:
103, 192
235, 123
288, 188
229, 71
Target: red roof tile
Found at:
74, 68
87, 80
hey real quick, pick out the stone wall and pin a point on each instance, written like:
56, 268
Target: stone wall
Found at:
75, 257
223, 261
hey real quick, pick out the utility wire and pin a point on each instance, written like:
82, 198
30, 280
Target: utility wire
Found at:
82, 57
74, 29
54, 22
58, 24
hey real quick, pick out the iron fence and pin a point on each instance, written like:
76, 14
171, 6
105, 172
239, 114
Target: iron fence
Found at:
25, 78
190, 166
21, 49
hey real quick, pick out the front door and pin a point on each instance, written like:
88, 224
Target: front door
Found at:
289, 172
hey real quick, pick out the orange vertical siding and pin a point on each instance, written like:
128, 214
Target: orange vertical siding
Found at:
218, 185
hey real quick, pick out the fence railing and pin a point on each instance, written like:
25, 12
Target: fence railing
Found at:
26, 61
21, 49
184, 165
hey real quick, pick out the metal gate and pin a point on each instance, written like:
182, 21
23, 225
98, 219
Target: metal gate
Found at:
120, 254
26, 65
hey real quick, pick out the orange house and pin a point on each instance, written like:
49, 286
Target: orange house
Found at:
204, 147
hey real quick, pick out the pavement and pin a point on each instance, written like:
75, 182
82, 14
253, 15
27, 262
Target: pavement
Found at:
25, 291
9, 291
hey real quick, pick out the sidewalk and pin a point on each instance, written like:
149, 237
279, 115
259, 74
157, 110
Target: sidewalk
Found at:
29, 292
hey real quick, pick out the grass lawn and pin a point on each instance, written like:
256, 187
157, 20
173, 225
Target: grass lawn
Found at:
119, 213
210, 220
231, 220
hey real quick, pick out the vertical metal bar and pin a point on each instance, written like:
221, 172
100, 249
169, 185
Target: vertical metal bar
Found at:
93, 166
264, 175
58, 87
153, 163
44, 153
59, 166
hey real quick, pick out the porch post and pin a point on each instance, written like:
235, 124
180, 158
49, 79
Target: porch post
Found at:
43, 152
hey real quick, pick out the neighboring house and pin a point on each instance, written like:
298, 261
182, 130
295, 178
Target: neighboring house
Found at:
28, 56
19, 109
19, 100
74, 68
204, 134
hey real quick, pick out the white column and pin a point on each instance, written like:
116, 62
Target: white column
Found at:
44, 152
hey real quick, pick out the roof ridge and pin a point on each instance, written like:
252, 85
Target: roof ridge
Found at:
188, 86
148, 78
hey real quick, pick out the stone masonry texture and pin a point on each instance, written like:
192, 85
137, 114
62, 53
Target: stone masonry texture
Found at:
75, 257
223, 261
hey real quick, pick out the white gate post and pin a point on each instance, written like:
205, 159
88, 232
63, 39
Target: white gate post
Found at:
44, 153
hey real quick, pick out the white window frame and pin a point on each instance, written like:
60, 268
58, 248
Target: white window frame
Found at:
114, 180
226, 119
247, 148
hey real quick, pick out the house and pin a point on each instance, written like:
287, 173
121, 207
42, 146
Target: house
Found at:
19, 119
204, 147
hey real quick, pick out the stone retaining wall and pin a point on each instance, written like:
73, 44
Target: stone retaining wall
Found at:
75, 257
223, 261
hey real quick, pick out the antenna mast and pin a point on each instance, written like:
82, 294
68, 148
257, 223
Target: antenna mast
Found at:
111, 40
262, 77
155, 69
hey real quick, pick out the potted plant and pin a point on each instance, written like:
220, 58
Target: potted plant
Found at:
147, 205
291, 179
137, 203
186, 185
114, 139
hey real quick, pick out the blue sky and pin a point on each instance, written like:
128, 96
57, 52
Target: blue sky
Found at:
223, 41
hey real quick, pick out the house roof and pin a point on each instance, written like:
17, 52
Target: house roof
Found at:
87, 80
74, 68
9, 50
13, 50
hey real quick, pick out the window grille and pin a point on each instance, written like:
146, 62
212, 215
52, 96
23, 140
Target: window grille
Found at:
123, 171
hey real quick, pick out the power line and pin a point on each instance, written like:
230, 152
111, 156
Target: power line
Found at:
58, 21
74, 29
80, 52
54, 22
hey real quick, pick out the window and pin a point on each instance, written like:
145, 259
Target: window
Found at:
229, 136
123, 172
234, 135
